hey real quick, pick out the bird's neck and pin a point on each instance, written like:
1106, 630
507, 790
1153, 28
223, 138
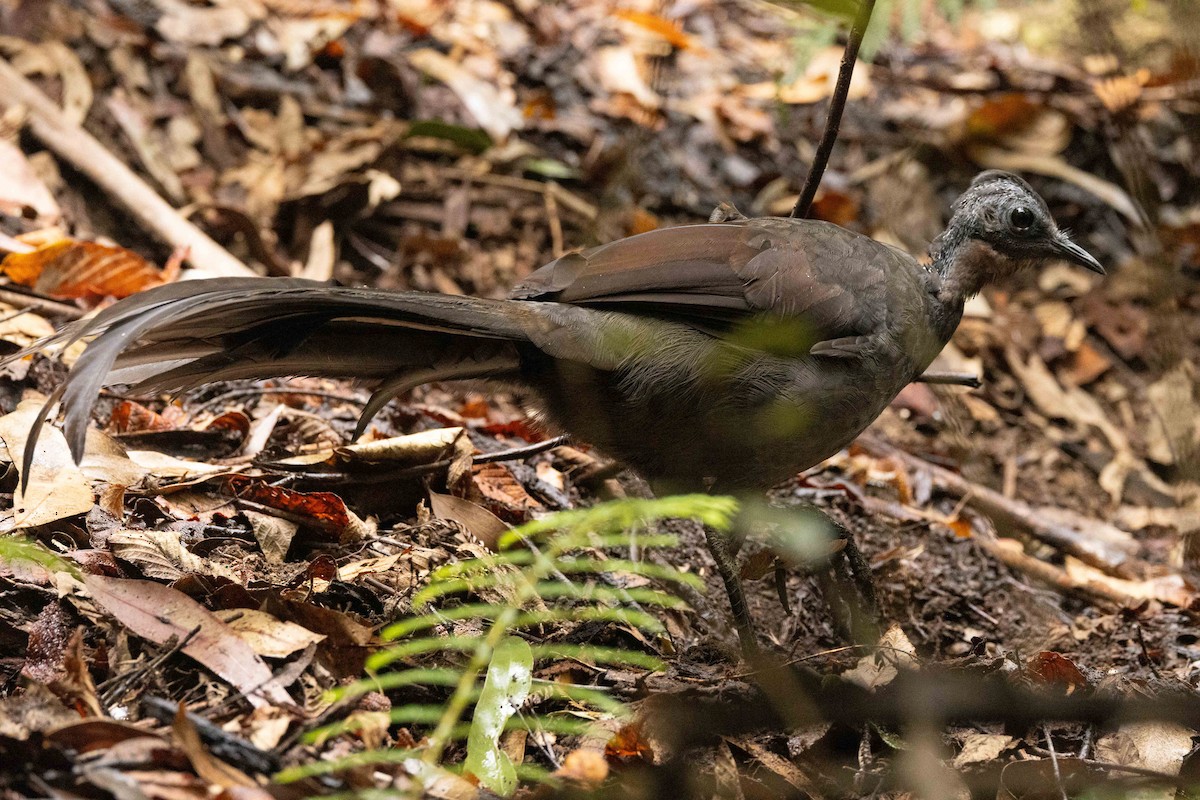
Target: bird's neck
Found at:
959, 269
963, 265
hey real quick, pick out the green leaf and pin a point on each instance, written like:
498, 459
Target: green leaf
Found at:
17, 549
509, 676
472, 140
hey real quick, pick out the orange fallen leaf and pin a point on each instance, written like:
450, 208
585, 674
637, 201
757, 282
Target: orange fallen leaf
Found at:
1054, 669
628, 745
666, 28
72, 269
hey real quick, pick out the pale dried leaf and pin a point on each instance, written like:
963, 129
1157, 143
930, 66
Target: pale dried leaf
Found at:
268, 636
56, 488
980, 747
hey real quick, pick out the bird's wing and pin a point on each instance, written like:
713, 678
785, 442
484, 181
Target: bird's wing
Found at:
718, 275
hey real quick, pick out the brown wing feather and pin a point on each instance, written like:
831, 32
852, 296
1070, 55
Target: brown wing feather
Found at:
718, 273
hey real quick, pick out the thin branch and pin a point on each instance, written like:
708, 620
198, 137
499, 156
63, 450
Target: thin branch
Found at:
837, 104
950, 379
79, 148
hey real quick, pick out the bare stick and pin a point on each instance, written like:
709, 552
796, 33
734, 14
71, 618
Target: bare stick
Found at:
950, 379
75, 145
1092, 541
837, 104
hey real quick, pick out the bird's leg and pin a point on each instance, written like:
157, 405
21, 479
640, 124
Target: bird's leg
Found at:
856, 611
719, 544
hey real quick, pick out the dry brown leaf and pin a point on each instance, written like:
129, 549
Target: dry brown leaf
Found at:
881, 667
503, 493
424, 447
817, 82
477, 520
207, 766
1020, 124
274, 535
161, 554
668, 29
323, 511
54, 59
586, 767
73, 269
1174, 432
159, 613
187, 24
1153, 745
1048, 668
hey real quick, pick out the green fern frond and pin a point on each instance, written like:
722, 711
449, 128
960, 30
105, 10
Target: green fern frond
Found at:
547, 571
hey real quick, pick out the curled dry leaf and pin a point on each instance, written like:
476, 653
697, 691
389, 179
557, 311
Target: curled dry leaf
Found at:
881, 668
53, 58
1020, 124
424, 447
980, 747
1054, 669
207, 766
184, 23
820, 77
1153, 745
323, 511
477, 520
668, 30
503, 493
161, 554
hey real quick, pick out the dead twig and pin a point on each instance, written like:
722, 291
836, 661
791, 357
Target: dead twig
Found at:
39, 305
75, 145
1102, 546
951, 379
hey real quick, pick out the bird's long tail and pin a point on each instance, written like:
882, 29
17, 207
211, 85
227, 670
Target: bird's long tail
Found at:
178, 336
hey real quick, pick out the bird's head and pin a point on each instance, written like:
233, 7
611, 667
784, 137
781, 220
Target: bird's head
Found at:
1001, 226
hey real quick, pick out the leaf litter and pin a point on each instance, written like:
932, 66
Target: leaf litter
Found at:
456, 147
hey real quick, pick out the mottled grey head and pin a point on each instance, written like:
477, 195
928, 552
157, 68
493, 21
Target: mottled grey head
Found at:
1001, 226
1002, 211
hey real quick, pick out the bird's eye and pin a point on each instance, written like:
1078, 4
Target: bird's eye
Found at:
1022, 218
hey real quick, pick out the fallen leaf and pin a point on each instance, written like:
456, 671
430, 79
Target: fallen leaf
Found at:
1054, 669
55, 488
73, 269
494, 109
978, 748
22, 192
159, 613
895, 652
268, 636
477, 520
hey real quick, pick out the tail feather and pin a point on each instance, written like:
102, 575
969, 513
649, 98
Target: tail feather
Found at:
180, 335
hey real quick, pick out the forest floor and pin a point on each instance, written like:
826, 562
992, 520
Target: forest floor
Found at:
1037, 533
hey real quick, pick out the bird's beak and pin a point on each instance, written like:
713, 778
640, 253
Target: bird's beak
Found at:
1065, 249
